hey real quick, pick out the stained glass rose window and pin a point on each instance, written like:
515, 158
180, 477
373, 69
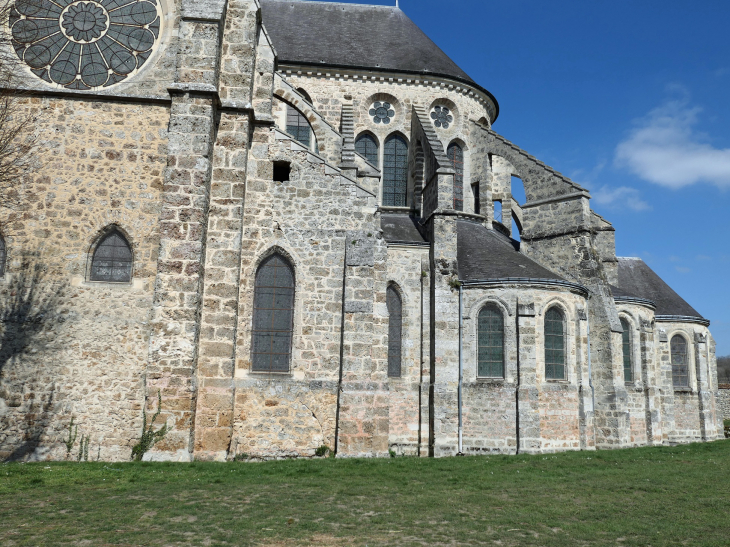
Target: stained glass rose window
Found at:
441, 117
84, 44
382, 112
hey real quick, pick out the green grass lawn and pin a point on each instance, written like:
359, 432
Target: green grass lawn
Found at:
646, 496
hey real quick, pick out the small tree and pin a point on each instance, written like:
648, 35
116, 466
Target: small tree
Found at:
149, 436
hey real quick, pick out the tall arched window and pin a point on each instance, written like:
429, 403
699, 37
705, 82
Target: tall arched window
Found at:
554, 344
367, 146
395, 330
490, 351
626, 339
680, 361
298, 126
2, 256
273, 315
395, 171
112, 260
456, 156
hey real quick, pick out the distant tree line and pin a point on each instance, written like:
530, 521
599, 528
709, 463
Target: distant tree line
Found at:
723, 369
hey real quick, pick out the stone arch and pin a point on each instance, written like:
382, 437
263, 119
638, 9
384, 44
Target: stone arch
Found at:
541, 181
315, 122
304, 94
559, 302
490, 299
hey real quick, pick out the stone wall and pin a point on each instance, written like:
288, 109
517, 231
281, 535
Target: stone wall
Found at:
100, 165
723, 401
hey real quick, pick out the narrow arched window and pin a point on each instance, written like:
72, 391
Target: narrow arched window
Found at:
298, 126
554, 345
2, 256
626, 343
367, 146
112, 260
490, 351
273, 315
395, 171
456, 156
395, 329
680, 361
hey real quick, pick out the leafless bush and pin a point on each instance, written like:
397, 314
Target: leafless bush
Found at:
17, 123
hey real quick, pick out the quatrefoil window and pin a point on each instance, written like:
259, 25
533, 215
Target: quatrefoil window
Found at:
441, 117
382, 112
84, 44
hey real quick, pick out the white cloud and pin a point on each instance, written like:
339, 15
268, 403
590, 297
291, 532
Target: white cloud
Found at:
682, 269
621, 197
666, 149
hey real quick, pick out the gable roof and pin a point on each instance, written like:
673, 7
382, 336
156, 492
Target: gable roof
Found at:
332, 34
636, 278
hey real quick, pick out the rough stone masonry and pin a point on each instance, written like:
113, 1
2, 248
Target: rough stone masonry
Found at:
296, 223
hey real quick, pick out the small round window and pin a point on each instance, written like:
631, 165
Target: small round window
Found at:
382, 112
441, 117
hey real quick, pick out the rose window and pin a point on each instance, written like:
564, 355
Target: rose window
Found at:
382, 112
441, 117
84, 44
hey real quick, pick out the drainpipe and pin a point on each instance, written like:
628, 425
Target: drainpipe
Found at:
461, 365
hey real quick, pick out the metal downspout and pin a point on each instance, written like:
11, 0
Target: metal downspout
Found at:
461, 366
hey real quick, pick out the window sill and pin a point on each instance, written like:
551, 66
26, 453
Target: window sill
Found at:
490, 380
266, 373
683, 390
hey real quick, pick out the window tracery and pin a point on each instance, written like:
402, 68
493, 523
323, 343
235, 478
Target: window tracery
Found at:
395, 331
298, 126
85, 44
441, 117
273, 315
395, 171
112, 260
456, 156
367, 146
490, 343
627, 354
554, 344
382, 112
680, 361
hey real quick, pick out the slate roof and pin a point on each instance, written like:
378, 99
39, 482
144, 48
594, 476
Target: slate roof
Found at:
638, 279
401, 228
488, 254
332, 34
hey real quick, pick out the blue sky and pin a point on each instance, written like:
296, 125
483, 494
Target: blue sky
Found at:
631, 100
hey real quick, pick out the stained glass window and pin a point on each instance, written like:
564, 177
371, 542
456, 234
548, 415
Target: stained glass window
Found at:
626, 338
298, 126
554, 345
86, 44
395, 327
2, 256
456, 155
680, 361
367, 147
395, 172
273, 315
112, 261
490, 335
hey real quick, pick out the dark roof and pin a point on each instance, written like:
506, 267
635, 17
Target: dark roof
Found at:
355, 36
401, 228
488, 254
638, 279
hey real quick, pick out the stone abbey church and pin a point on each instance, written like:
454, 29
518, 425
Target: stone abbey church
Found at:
295, 222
